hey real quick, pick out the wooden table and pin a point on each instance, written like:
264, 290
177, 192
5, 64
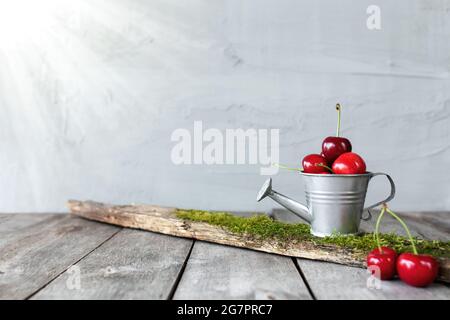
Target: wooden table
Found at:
58, 256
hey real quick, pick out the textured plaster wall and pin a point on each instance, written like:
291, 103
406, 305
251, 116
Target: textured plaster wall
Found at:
90, 92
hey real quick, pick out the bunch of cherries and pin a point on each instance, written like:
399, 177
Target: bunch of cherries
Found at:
415, 269
336, 156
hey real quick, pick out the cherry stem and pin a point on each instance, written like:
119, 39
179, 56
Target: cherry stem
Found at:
285, 167
404, 226
338, 130
376, 235
326, 167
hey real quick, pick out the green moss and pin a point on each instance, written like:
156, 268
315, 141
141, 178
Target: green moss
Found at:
264, 228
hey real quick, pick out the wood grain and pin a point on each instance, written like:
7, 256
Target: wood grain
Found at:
131, 265
164, 220
13, 225
220, 272
36, 253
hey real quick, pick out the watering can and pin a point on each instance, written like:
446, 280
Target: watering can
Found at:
334, 202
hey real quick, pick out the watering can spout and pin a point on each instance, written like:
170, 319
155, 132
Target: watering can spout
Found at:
295, 207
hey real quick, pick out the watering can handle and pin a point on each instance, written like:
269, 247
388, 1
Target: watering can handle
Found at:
389, 198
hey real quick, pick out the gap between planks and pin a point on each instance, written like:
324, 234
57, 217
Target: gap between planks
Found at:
302, 275
35, 248
180, 274
196, 242
73, 264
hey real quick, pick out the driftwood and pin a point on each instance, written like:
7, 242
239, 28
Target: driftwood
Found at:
164, 220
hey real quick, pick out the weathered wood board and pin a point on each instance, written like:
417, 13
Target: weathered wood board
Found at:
43, 249
133, 264
11, 226
219, 272
164, 220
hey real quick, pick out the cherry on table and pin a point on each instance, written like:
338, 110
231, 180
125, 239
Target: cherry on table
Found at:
416, 269
385, 259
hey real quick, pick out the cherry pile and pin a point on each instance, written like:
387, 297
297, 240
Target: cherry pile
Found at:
415, 269
336, 156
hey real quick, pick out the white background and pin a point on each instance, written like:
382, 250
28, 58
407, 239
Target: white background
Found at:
90, 92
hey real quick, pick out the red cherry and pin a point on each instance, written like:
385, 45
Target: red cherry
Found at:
349, 163
313, 163
384, 260
333, 147
417, 270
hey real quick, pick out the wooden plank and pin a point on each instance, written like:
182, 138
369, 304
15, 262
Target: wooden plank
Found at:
131, 265
419, 225
12, 225
35, 255
164, 220
427, 225
333, 281
4, 217
219, 272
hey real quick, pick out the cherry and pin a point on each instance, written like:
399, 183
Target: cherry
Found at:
333, 147
314, 163
416, 269
349, 163
384, 258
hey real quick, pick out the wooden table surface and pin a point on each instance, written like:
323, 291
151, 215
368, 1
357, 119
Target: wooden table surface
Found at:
58, 256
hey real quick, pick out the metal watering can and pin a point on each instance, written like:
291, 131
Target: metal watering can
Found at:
334, 202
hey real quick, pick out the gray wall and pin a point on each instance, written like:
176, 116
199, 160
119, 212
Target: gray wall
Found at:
90, 92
